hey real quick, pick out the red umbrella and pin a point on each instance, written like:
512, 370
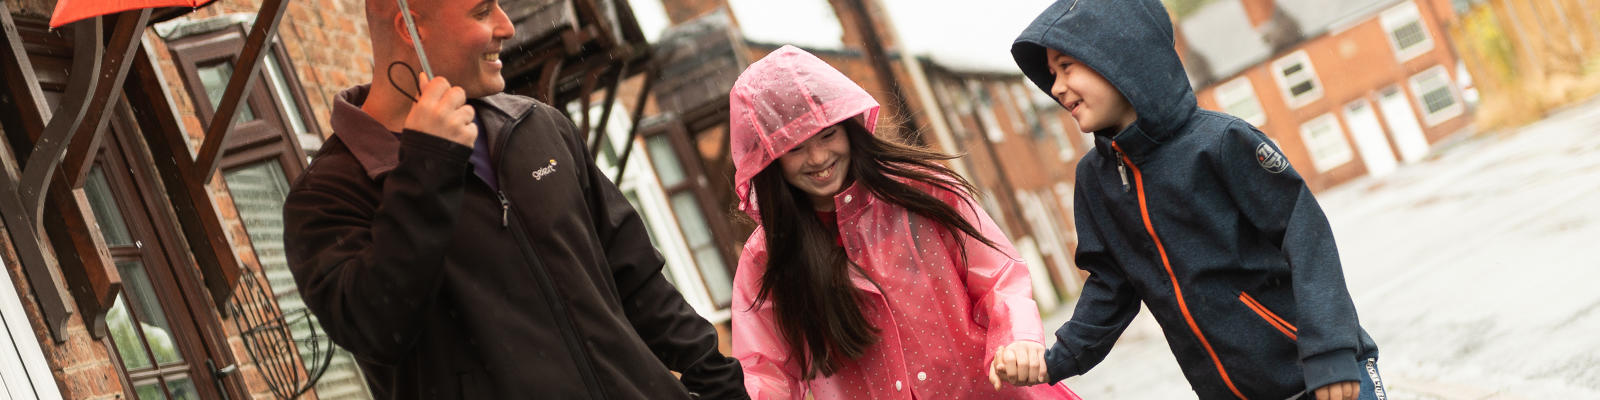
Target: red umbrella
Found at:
69, 11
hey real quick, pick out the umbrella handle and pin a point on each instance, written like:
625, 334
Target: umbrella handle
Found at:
416, 41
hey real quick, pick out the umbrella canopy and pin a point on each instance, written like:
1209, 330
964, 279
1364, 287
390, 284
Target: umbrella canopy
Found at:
69, 11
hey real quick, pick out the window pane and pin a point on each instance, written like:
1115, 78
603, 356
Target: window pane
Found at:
1326, 141
716, 275
128, 343
152, 321
1438, 99
150, 391
1409, 35
258, 191
706, 256
690, 219
215, 77
183, 389
1302, 88
291, 109
668, 169
104, 206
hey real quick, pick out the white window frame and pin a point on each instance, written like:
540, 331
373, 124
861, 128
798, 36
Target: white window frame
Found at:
1025, 107
1240, 92
1048, 245
1436, 74
1401, 16
984, 97
1306, 74
24, 373
1329, 149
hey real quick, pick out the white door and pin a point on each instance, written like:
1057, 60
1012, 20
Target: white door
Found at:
23, 371
1374, 147
1403, 124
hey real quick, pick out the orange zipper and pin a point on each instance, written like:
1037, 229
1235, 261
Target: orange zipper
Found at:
1277, 322
1144, 212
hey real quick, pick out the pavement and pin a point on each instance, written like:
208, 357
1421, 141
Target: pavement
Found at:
1469, 269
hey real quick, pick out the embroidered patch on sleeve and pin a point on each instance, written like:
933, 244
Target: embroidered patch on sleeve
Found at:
1270, 159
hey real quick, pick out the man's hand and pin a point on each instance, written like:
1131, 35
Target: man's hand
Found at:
1020, 363
442, 111
1347, 390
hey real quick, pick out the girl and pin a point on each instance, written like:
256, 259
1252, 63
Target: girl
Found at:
873, 273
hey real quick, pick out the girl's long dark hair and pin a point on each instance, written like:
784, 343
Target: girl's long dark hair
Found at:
808, 274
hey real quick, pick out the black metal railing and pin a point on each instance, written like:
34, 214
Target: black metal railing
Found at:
290, 350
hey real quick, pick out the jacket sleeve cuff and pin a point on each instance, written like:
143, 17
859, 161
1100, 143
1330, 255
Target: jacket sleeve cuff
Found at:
1331, 367
418, 143
1060, 363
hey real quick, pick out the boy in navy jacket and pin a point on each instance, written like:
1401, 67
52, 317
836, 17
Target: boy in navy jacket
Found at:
1194, 213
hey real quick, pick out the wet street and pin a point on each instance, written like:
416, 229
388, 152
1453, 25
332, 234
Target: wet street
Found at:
1472, 270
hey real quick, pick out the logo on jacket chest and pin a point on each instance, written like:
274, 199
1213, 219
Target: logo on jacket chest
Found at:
540, 173
1270, 159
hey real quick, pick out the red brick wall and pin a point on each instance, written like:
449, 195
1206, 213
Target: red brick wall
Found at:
82, 366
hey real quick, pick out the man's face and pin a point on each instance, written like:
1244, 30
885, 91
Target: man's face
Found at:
1089, 97
463, 39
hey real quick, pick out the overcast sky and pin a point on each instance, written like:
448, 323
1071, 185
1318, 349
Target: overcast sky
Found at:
955, 33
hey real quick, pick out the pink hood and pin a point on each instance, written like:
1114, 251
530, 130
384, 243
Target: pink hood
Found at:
780, 101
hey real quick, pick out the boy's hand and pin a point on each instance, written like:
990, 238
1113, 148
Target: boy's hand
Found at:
1020, 363
442, 111
1347, 390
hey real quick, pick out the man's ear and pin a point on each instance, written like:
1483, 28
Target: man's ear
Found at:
400, 27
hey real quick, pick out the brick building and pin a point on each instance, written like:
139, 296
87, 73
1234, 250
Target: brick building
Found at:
1347, 89
167, 302
154, 265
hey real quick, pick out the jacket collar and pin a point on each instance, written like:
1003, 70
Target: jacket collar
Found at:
1134, 141
378, 148
852, 201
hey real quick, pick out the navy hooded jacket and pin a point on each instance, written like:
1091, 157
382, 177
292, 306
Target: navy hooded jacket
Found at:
1198, 215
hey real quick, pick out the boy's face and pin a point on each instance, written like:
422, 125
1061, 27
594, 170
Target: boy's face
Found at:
465, 42
1089, 97
818, 165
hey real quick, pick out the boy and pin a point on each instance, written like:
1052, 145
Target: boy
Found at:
1196, 214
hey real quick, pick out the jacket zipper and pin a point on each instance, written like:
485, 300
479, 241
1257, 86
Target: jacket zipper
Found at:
1183, 307
542, 275
1122, 168
505, 209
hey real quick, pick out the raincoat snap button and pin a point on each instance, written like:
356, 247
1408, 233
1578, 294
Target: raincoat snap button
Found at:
847, 198
922, 376
896, 386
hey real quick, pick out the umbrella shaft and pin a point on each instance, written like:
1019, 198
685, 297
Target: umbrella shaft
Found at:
416, 41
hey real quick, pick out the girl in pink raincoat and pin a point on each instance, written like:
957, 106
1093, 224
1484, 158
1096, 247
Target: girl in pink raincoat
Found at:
873, 273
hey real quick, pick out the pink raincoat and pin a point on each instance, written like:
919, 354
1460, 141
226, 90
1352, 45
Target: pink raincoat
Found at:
940, 318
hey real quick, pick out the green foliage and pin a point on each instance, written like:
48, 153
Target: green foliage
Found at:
1483, 35
1183, 8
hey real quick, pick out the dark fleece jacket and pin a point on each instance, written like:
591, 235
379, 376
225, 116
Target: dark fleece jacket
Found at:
1199, 216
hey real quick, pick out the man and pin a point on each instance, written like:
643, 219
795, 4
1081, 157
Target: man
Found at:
463, 245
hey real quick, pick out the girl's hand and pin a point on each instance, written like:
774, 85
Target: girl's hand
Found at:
1020, 363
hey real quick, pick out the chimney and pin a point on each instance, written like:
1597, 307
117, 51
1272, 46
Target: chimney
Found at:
1277, 29
1259, 12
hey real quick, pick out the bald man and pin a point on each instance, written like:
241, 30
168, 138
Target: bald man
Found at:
461, 243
